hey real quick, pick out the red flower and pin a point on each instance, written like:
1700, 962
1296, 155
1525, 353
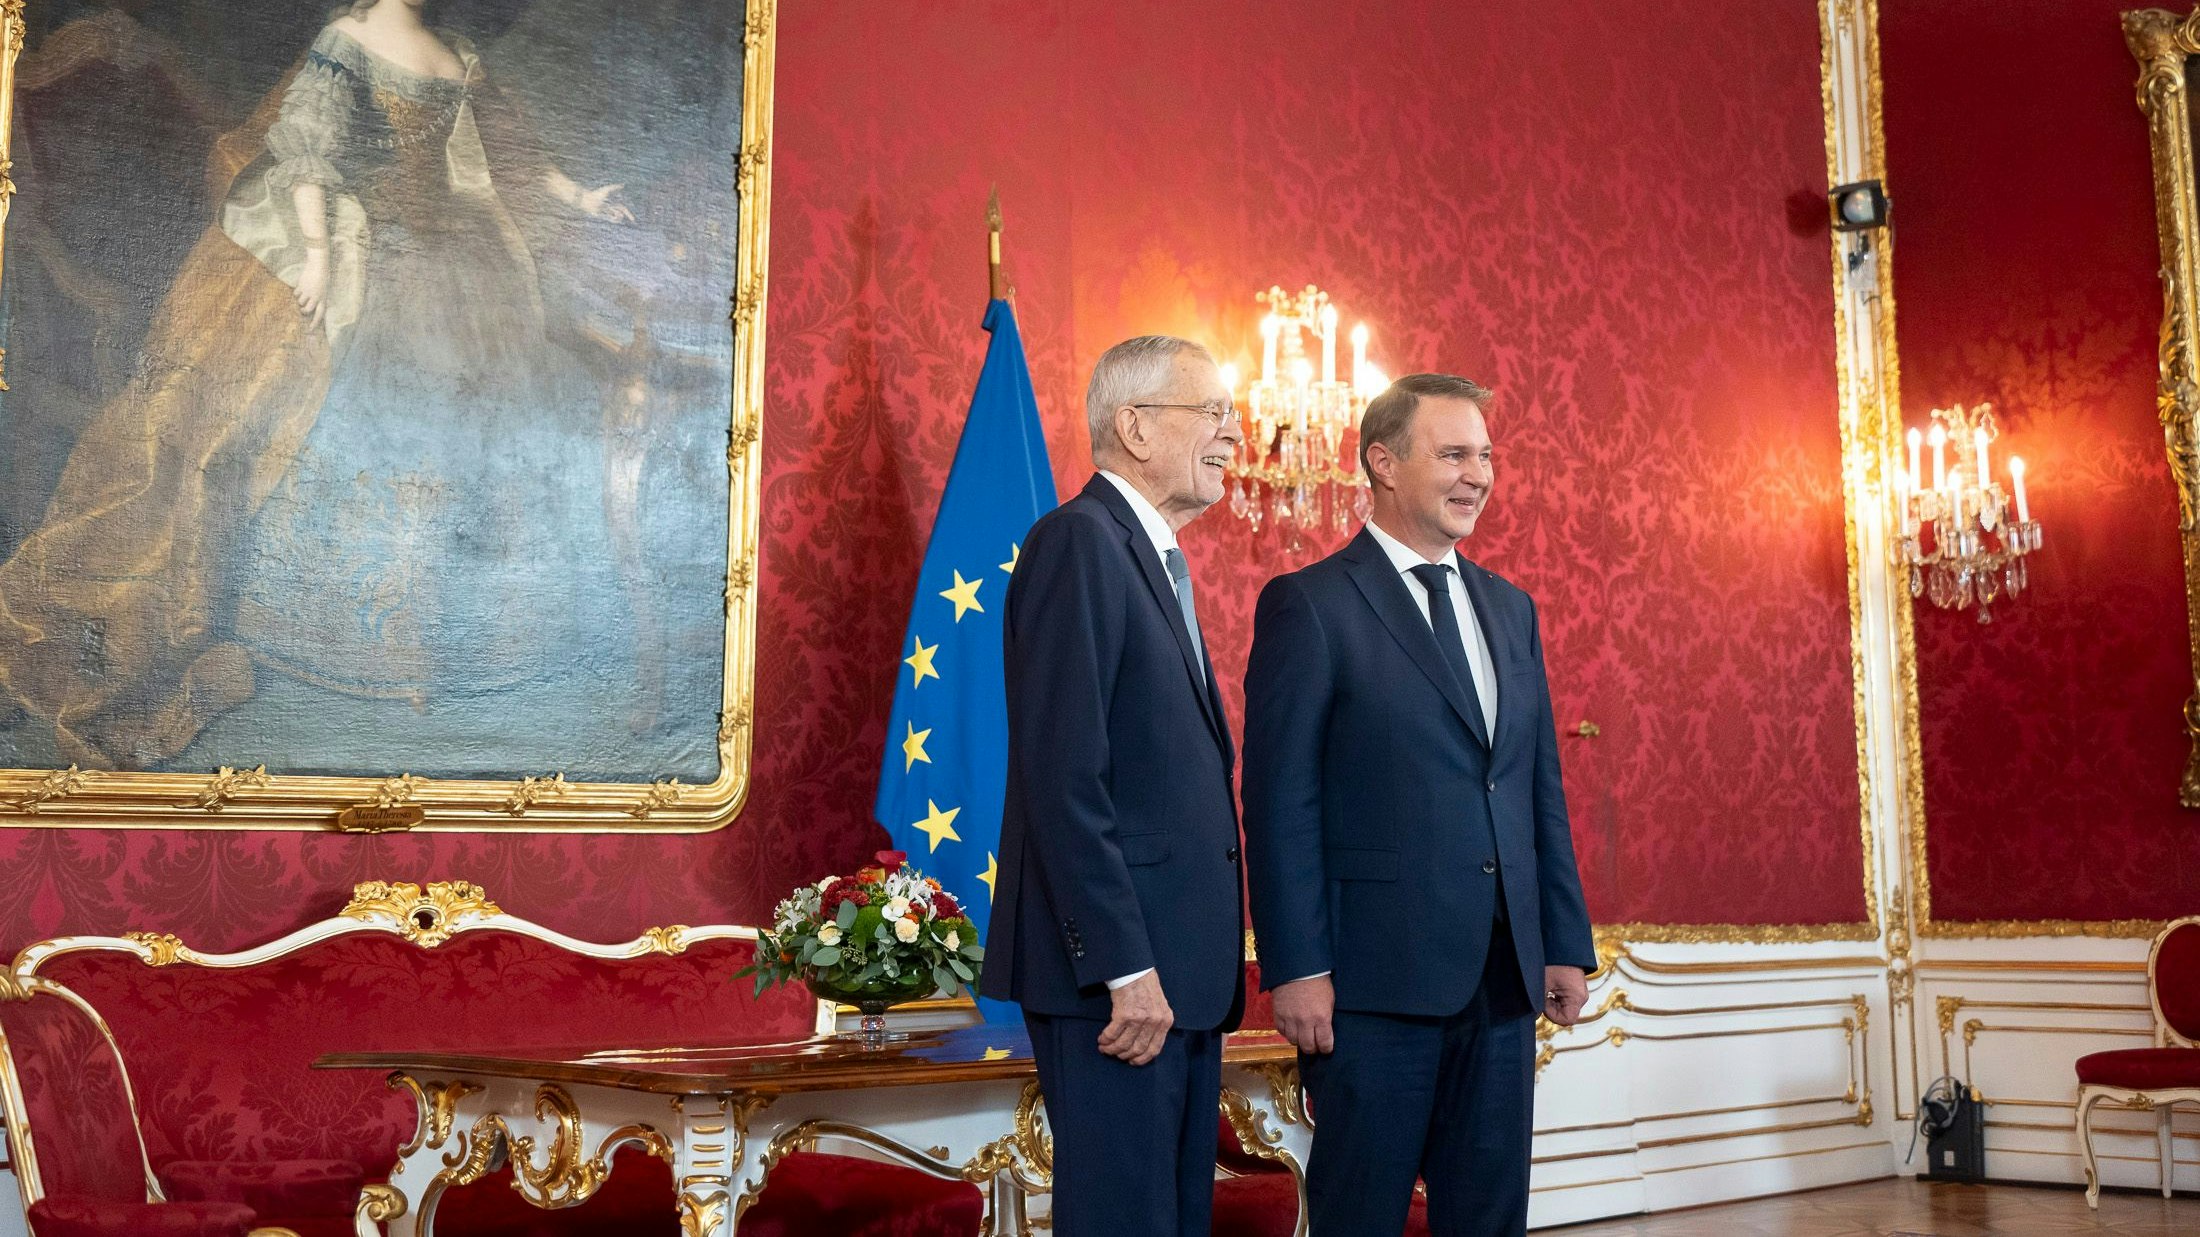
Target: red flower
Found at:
944, 906
891, 860
842, 890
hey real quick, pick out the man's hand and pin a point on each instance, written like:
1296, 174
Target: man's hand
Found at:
1141, 1022
1304, 1009
1565, 991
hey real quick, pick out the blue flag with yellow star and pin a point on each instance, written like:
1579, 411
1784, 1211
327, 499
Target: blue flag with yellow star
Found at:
946, 768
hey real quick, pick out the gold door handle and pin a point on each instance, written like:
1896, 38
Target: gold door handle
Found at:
1588, 730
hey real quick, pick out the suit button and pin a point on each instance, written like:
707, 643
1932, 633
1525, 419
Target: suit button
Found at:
1490, 786
1231, 854
1489, 865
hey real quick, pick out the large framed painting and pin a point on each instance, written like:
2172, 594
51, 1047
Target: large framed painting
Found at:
2167, 46
381, 409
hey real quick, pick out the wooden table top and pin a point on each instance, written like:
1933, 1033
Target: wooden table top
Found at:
819, 1063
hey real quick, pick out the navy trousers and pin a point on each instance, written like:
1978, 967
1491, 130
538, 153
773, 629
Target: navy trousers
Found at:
1450, 1101
1134, 1145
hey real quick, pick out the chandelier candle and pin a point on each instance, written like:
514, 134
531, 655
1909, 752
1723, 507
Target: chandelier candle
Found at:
1957, 539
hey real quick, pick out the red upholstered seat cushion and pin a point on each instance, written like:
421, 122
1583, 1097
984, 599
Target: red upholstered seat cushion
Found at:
222, 1058
2141, 1069
1267, 1205
269, 1187
2176, 979
64, 1215
808, 1195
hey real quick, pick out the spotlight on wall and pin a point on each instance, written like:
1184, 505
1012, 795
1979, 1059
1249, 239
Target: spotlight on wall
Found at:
1859, 207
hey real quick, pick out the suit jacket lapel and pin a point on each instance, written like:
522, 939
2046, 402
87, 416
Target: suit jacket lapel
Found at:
1494, 634
1379, 582
1164, 593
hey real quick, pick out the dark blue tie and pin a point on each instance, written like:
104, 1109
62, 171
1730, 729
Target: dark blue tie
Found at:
1436, 578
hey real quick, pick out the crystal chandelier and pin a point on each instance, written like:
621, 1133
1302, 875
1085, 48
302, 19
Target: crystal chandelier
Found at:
1300, 465
1977, 551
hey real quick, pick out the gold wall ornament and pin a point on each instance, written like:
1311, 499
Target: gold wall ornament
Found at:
660, 795
398, 791
532, 790
426, 917
161, 948
57, 785
226, 784
2161, 41
131, 800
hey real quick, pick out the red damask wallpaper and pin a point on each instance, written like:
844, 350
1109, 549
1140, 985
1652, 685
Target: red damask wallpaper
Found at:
2025, 274
1592, 219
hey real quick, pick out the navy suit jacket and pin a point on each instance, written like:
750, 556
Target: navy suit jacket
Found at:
1379, 815
1119, 836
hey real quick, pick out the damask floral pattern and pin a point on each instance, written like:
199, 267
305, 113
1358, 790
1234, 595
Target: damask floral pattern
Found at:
2051, 742
73, 1093
1530, 194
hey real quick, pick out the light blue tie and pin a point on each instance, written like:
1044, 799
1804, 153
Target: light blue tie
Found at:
1181, 573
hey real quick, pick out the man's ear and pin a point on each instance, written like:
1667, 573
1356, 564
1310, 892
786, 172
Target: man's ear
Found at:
1131, 433
1382, 466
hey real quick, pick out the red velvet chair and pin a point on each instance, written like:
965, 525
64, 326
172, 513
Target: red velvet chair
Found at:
2158, 1077
220, 1113
61, 1074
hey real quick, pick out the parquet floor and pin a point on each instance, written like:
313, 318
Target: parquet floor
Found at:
1906, 1207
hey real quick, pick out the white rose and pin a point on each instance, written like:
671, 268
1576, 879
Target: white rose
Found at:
905, 930
896, 909
953, 940
829, 934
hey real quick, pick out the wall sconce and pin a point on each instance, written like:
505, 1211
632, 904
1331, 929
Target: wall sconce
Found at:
1960, 537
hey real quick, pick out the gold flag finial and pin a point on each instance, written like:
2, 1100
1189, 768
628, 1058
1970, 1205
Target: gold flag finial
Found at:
997, 288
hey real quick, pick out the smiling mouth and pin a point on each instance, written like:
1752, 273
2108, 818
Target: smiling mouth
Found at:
1215, 461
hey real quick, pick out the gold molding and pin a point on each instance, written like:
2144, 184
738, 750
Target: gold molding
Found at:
249, 796
2160, 41
426, 917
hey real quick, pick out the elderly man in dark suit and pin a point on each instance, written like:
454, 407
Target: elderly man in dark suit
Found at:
1413, 883
1116, 923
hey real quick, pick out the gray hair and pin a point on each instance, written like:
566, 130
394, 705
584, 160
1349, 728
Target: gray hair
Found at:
1389, 416
1135, 371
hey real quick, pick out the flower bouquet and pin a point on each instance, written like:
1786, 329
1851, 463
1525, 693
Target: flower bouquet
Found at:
885, 935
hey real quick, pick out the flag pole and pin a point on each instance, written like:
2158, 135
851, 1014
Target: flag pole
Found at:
997, 287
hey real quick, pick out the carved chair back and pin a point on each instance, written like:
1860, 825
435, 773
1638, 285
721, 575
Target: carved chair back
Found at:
221, 1045
2173, 983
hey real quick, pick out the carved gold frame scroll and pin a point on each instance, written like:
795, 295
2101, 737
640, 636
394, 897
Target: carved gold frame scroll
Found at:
2162, 41
254, 798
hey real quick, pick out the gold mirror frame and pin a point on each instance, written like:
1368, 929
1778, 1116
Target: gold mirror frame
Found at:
253, 798
2162, 42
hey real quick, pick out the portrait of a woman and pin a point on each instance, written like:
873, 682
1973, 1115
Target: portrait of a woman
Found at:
355, 494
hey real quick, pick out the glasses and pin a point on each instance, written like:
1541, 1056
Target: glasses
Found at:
1221, 414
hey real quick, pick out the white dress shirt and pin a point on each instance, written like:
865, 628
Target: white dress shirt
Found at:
1479, 662
1164, 540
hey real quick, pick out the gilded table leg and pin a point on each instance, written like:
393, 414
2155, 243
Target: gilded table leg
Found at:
1266, 1109
713, 1162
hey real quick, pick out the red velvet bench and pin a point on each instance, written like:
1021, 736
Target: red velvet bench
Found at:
152, 1089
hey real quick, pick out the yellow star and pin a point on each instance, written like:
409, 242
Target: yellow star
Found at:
996, 1054
938, 824
964, 595
921, 662
912, 747
1015, 551
992, 869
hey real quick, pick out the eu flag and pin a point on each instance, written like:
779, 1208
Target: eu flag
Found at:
946, 761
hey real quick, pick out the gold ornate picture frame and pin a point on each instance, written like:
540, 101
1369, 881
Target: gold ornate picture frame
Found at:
245, 794
2164, 43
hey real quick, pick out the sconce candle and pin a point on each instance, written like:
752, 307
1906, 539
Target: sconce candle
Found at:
1958, 539
1298, 465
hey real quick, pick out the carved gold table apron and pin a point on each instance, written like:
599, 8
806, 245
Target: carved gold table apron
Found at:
960, 1104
